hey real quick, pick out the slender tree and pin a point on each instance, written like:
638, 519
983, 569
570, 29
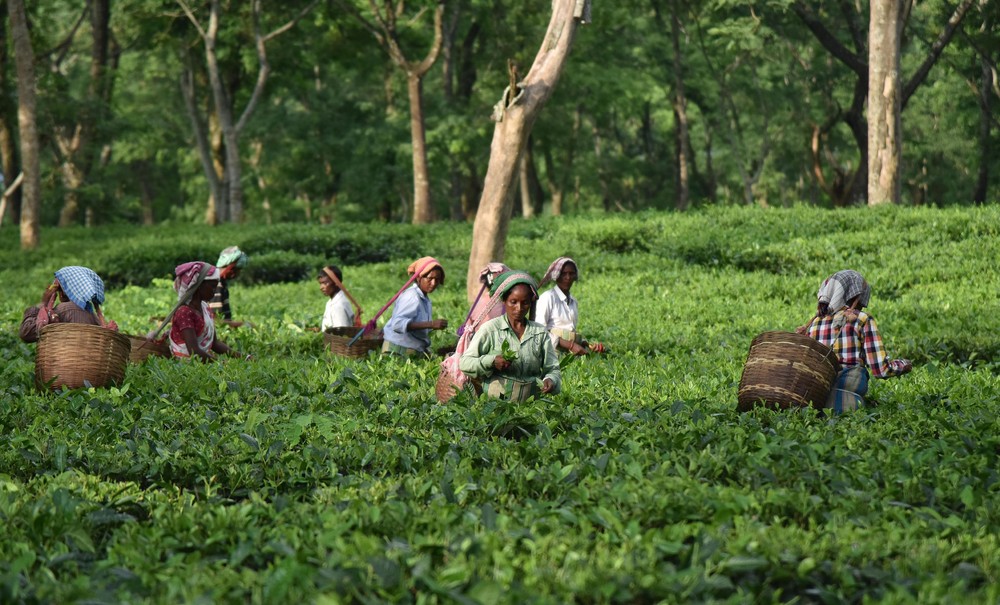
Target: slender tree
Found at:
384, 26
515, 115
223, 96
24, 58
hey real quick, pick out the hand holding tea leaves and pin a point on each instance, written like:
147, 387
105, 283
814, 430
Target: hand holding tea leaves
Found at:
505, 358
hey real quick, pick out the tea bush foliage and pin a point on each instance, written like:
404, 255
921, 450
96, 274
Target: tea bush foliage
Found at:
300, 477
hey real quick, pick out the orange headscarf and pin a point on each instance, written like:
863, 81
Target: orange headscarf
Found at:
424, 265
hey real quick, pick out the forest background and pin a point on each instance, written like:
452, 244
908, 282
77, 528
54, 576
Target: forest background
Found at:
223, 111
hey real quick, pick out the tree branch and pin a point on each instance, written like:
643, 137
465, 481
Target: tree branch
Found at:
64, 46
192, 18
935, 51
829, 41
290, 24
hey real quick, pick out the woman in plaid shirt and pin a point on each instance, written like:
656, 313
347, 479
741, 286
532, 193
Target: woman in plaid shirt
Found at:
841, 324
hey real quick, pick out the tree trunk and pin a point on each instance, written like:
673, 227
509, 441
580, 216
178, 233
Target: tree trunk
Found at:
203, 146
884, 102
516, 114
24, 59
524, 188
683, 190
985, 128
231, 181
422, 213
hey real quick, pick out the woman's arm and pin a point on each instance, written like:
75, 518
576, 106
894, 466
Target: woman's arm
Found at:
551, 376
875, 356
191, 341
29, 327
480, 359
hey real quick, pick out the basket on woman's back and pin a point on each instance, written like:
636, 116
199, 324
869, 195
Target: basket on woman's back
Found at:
77, 355
785, 369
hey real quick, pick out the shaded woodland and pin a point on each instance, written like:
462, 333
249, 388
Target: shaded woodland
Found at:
146, 111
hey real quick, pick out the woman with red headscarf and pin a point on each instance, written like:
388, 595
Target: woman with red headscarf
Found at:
192, 325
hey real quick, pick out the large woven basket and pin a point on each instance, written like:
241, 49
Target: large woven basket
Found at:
143, 349
336, 340
74, 355
785, 369
446, 387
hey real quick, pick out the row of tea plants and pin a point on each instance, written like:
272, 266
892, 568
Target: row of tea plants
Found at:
301, 477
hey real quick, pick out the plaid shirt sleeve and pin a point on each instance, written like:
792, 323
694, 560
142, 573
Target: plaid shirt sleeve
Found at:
875, 356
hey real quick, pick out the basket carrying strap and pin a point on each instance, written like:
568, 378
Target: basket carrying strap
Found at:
357, 307
371, 322
836, 335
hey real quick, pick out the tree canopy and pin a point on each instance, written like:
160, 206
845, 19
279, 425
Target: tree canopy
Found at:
195, 110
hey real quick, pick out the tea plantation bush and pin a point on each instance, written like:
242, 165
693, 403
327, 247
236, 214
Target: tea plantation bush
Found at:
300, 477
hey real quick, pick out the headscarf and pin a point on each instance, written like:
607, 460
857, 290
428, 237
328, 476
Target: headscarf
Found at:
190, 276
507, 280
233, 255
424, 265
490, 273
552, 273
82, 286
839, 289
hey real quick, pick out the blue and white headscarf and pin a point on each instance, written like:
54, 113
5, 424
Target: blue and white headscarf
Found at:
82, 286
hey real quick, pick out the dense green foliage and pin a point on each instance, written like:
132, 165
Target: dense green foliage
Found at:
303, 478
330, 138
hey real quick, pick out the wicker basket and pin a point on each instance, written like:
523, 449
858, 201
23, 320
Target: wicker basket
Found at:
336, 340
446, 387
142, 348
73, 355
785, 369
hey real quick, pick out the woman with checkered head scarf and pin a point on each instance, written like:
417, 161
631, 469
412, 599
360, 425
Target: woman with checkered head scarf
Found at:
559, 311
74, 296
842, 324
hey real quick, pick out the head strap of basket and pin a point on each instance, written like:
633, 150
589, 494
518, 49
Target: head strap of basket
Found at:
552, 273
507, 280
340, 286
189, 277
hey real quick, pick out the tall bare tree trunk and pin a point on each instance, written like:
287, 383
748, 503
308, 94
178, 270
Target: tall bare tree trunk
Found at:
884, 102
515, 115
422, 211
24, 58
683, 190
985, 128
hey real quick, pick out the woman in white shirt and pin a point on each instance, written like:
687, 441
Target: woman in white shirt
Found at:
338, 312
559, 312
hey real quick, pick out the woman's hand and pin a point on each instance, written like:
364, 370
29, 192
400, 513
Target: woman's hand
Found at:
547, 385
907, 366
578, 349
500, 363
439, 324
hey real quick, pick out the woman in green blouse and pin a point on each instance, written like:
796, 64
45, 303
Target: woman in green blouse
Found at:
512, 355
